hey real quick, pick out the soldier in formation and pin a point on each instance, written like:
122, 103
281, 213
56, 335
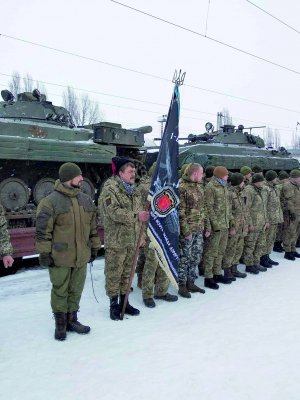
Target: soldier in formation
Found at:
6, 249
67, 238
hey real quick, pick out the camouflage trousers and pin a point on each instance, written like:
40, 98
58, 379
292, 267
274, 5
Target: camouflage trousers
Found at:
254, 247
154, 278
190, 255
67, 287
118, 263
270, 238
214, 252
291, 234
234, 250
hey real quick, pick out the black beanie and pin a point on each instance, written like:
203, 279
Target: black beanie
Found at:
236, 179
118, 162
257, 178
209, 171
256, 169
68, 171
270, 175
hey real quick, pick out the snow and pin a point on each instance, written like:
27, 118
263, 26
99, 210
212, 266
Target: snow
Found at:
239, 343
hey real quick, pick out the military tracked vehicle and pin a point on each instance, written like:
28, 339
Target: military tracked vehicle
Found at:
36, 137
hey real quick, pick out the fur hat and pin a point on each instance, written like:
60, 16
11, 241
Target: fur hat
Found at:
283, 175
257, 178
270, 175
245, 170
68, 171
295, 173
220, 172
236, 179
118, 162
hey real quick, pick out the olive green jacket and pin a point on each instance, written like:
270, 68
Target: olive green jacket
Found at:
257, 203
240, 212
120, 215
291, 195
5, 245
66, 226
275, 214
218, 205
192, 209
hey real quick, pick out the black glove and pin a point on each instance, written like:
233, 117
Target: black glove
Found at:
46, 260
94, 253
292, 216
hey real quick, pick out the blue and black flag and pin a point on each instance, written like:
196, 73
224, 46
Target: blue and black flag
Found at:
163, 227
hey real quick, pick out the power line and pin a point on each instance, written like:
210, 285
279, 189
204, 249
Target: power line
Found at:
273, 16
208, 37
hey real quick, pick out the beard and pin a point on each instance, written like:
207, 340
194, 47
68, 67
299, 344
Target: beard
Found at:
78, 186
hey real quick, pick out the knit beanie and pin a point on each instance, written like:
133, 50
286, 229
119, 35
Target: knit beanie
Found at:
256, 169
245, 170
270, 175
295, 173
118, 162
283, 175
236, 179
220, 172
257, 178
68, 171
209, 171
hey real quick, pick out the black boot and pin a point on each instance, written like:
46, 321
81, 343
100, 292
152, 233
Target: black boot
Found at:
272, 262
264, 262
289, 255
228, 274
191, 287
167, 297
128, 309
261, 268
235, 272
296, 255
278, 247
114, 311
150, 303
210, 283
252, 269
60, 326
222, 279
73, 325
183, 291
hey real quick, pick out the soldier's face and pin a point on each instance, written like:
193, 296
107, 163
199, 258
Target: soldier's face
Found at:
128, 175
198, 175
77, 181
259, 184
225, 178
242, 184
296, 180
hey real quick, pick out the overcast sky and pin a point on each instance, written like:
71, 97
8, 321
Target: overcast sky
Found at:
108, 32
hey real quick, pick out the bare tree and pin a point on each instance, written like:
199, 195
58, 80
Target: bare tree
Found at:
41, 87
28, 83
277, 140
83, 110
15, 83
269, 137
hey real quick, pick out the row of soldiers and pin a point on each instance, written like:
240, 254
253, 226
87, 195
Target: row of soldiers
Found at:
226, 218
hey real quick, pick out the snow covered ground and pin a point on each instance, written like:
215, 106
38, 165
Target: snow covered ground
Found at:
239, 343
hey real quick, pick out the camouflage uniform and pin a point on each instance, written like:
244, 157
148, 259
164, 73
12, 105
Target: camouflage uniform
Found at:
275, 214
66, 229
282, 226
240, 221
193, 220
5, 245
219, 217
291, 195
121, 226
255, 242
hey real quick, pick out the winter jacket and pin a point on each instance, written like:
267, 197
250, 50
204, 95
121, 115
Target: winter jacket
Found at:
257, 202
5, 245
291, 195
240, 212
275, 214
218, 205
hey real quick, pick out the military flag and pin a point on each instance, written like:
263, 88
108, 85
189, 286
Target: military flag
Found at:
163, 226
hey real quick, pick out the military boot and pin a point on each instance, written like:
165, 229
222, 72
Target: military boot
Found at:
264, 262
150, 303
114, 311
167, 297
296, 255
222, 279
73, 325
228, 274
191, 287
211, 283
278, 247
139, 280
289, 255
252, 269
261, 268
235, 272
60, 326
128, 309
272, 262
183, 292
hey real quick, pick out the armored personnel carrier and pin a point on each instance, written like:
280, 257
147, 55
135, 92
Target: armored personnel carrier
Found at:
234, 148
36, 137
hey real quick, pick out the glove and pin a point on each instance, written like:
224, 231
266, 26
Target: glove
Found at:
46, 260
94, 253
292, 216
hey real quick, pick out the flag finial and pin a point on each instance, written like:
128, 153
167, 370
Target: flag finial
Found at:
178, 78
